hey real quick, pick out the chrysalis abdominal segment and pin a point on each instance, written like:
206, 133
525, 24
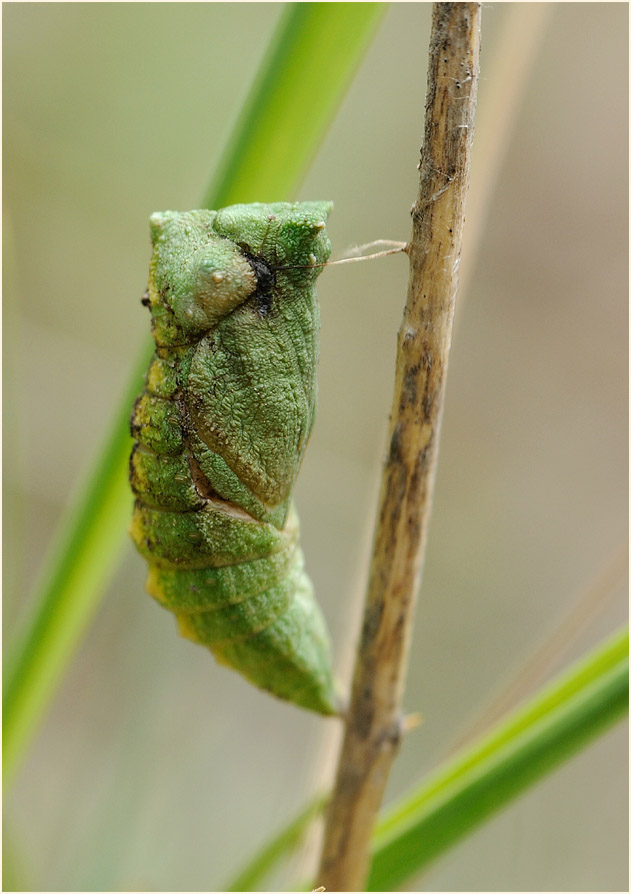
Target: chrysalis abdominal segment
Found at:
220, 429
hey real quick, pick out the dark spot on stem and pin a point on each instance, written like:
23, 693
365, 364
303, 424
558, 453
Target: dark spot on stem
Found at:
394, 455
410, 383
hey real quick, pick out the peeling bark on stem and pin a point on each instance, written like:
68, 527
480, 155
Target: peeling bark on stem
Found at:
373, 722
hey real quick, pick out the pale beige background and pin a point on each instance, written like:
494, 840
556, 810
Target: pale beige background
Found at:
156, 769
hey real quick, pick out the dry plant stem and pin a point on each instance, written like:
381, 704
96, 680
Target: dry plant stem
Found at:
523, 27
373, 721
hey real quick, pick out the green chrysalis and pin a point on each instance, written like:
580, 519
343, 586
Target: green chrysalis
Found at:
220, 429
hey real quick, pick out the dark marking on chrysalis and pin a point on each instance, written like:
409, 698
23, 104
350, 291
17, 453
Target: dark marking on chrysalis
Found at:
265, 279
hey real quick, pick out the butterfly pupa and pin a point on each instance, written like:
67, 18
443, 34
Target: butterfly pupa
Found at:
220, 430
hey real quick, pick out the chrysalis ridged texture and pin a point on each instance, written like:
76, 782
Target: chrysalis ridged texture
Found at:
220, 430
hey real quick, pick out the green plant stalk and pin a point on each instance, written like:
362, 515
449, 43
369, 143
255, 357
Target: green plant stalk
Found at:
257, 163
550, 728
563, 716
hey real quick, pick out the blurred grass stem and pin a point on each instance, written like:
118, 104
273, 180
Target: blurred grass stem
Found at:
506, 78
553, 647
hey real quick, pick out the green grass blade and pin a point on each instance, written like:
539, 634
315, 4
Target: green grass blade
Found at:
520, 750
316, 49
81, 559
261, 162
250, 877
548, 728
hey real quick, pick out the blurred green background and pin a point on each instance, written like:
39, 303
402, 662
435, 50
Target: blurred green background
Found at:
156, 769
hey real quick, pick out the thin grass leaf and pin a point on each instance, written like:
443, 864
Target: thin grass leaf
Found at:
456, 799
531, 741
82, 557
311, 60
313, 55
251, 876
